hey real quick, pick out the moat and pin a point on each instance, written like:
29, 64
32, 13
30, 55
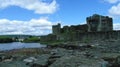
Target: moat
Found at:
19, 45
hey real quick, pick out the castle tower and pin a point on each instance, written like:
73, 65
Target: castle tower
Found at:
99, 23
56, 29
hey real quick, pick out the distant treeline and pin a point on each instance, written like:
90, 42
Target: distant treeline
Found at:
15, 38
5, 39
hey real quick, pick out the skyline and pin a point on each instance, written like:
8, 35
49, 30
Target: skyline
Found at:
36, 17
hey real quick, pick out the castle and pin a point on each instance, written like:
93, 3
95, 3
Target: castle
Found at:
97, 27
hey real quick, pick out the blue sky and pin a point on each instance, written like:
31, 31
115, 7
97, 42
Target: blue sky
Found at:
35, 17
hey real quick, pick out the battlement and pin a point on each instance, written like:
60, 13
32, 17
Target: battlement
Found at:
74, 28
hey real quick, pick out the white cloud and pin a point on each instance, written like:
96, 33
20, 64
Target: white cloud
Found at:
40, 26
116, 26
112, 1
37, 6
115, 10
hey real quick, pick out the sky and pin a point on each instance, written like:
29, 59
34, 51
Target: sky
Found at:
36, 17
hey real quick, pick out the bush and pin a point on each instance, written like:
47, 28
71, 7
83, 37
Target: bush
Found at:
86, 40
4, 39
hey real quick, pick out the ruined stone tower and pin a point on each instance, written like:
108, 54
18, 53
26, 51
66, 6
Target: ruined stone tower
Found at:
99, 23
56, 29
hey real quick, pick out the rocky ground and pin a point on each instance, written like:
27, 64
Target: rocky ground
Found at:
94, 54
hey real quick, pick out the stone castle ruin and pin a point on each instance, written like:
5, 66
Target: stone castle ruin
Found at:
97, 28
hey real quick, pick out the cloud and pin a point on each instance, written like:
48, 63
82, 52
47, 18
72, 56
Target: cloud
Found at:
115, 10
41, 26
112, 1
116, 26
38, 6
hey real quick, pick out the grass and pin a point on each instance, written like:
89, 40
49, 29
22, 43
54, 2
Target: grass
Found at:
86, 40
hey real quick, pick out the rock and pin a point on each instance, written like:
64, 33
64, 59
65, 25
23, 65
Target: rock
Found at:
118, 59
116, 63
52, 60
5, 58
13, 64
110, 57
41, 61
104, 64
55, 56
75, 61
18, 57
30, 59
61, 52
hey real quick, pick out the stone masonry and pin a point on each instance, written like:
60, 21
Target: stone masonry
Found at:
97, 27
99, 23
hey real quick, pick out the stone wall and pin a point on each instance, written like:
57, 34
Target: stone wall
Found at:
79, 36
49, 37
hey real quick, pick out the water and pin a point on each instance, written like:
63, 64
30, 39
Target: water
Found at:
18, 45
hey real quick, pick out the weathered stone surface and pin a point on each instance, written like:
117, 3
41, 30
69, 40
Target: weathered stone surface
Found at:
58, 51
5, 58
75, 61
116, 62
37, 61
30, 59
13, 64
42, 60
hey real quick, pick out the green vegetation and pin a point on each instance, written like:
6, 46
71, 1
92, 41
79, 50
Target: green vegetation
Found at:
86, 40
32, 39
5, 39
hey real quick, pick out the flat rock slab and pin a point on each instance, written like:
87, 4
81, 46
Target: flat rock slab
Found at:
13, 64
75, 61
42, 60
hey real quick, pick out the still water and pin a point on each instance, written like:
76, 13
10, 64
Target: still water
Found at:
18, 45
